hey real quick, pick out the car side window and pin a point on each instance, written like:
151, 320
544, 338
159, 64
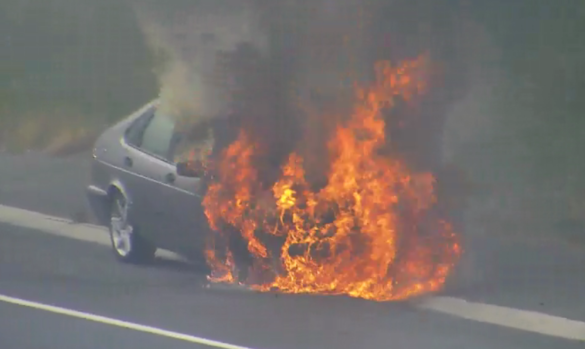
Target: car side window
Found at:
192, 143
158, 135
135, 132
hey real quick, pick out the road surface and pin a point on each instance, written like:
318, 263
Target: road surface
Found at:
61, 288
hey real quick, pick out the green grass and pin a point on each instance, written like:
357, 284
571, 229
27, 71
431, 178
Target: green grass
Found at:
69, 67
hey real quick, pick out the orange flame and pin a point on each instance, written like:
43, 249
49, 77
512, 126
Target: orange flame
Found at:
368, 233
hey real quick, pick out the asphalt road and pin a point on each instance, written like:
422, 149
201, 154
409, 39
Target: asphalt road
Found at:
32, 329
538, 275
41, 183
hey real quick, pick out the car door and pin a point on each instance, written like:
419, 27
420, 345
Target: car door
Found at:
184, 196
149, 168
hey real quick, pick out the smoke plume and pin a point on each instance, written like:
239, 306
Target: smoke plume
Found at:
285, 69
192, 43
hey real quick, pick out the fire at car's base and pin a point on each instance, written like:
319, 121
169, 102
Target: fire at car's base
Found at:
370, 232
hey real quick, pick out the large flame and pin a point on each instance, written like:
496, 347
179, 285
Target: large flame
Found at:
369, 232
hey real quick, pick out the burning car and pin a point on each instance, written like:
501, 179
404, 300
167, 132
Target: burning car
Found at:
369, 230
143, 190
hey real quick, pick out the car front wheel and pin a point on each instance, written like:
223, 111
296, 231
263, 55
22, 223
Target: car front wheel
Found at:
127, 244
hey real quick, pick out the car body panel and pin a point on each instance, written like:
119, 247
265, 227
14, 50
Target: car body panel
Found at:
107, 170
185, 211
98, 203
169, 213
103, 179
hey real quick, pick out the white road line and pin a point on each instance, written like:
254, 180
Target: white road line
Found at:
54, 225
525, 320
119, 323
61, 227
507, 317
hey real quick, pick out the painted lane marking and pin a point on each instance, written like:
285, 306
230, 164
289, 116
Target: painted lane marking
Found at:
62, 227
524, 320
496, 315
119, 323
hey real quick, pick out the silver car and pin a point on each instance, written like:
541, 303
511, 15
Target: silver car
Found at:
143, 190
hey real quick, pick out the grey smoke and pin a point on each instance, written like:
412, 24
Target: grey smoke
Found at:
191, 42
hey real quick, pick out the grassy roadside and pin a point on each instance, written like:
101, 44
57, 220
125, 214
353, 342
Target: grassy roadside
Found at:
58, 132
69, 67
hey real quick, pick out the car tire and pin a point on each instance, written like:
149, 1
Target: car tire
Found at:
127, 244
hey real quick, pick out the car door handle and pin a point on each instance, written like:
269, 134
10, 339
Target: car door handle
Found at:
128, 161
170, 178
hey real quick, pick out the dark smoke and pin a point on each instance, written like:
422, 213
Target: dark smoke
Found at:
279, 66
283, 70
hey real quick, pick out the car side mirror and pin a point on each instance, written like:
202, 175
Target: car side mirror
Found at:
192, 169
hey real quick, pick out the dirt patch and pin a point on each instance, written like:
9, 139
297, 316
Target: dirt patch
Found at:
56, 132
71, 145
